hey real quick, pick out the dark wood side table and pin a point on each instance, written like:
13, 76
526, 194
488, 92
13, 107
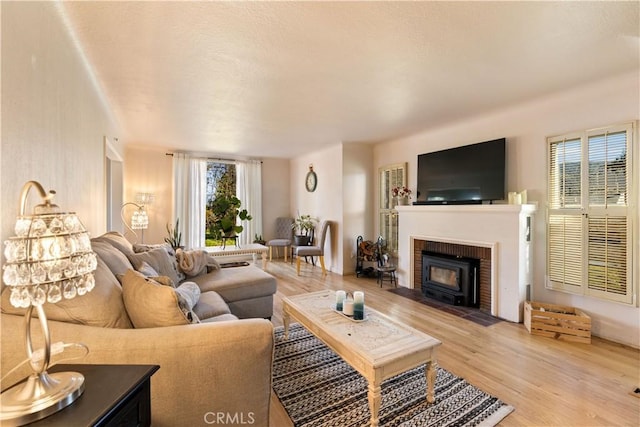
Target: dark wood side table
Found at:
114, 395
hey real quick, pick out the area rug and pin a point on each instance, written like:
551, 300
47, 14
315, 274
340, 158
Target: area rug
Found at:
317, 388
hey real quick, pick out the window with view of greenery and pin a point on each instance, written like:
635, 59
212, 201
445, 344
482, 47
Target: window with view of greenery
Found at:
589, 240
221, 181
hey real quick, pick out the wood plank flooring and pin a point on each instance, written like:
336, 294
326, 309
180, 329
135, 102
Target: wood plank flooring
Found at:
549, 382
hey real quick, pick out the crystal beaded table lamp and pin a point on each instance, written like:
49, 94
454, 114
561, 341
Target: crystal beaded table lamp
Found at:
48, 260
139, 218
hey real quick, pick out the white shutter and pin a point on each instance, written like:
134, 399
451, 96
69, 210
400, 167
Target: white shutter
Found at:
609, 225
589, 216
565, 220
607, 268
564, 254
390, 176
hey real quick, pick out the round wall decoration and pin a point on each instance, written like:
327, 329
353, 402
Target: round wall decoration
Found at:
311, 181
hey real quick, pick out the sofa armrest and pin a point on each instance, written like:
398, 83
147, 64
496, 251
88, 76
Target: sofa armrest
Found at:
206, 369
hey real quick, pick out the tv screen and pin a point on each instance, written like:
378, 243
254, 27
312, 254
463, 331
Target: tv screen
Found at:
468, 174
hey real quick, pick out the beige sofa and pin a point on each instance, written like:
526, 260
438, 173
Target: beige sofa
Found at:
221, 365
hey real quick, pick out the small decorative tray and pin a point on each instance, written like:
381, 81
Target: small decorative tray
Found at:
333, 307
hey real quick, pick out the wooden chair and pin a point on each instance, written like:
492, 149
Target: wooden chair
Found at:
315, 250
284, 234
310, 235
385, 268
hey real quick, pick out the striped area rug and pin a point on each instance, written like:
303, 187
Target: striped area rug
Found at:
318, 389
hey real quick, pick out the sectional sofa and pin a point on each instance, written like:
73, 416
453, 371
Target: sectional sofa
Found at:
215, 355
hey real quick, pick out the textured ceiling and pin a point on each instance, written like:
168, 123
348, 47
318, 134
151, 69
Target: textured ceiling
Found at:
267, 79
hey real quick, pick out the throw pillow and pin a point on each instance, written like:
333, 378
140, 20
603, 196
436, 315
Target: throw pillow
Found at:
151, 304
159, 260
188, 296
117, 240
147, 270
115, 260
102, 307
163, 280
138, 248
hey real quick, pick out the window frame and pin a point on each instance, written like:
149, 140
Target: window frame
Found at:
587, 213
386, 205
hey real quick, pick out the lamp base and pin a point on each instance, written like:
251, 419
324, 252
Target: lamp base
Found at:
39, 396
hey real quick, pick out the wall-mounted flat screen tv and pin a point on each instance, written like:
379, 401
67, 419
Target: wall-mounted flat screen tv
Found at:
469, 174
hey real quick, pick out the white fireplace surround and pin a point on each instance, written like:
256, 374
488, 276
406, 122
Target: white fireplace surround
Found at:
502, 228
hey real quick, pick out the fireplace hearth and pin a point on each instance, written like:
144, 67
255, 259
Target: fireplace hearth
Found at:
451, 279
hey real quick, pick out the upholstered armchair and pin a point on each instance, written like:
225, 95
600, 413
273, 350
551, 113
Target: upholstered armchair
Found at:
284, 233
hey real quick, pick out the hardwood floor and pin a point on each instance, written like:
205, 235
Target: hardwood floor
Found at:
549, 382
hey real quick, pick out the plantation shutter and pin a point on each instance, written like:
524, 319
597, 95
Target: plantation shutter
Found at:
565, 220
608, 269
588, 217
390, 176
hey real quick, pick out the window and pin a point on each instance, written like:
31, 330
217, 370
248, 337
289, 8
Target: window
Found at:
589, 243
221, 180
390, 176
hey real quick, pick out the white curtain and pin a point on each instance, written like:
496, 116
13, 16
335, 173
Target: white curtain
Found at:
189, 198
249, 191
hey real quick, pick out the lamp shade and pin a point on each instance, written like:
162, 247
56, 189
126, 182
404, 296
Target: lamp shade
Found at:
49, 258
140, 219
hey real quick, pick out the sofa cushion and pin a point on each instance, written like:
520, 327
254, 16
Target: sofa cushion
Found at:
238, 283
103, 306
115, 260
117, 240
159, 260
150, 304
210, 305
221, 318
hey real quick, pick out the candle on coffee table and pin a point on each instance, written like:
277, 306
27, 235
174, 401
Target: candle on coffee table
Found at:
340, 297
347, 307
358, 305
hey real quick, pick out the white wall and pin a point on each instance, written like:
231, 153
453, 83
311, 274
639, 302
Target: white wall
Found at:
358, 186
326, 203
149, 170
53, 117
276, 194
610, 101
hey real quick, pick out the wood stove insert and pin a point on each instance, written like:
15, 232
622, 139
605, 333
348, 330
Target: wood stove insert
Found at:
451, 279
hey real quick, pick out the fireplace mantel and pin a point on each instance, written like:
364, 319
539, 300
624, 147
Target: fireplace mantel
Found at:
506, 229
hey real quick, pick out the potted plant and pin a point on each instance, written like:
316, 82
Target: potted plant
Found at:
302, 225
175, 236
226, 210
258, 239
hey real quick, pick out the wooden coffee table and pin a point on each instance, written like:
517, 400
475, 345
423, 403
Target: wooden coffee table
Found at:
378, 347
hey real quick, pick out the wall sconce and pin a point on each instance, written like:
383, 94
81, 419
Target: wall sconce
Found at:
49, 259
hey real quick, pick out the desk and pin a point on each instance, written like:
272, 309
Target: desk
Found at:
114, 395
252, 248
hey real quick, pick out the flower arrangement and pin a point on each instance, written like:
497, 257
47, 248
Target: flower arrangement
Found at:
401, 192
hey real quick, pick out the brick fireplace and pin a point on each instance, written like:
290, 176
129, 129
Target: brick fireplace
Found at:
498, 235
483, 254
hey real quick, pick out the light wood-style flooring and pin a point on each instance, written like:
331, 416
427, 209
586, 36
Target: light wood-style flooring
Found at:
549, 382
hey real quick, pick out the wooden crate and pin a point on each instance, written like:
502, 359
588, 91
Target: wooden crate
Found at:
557, 321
